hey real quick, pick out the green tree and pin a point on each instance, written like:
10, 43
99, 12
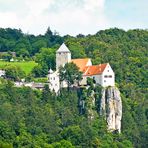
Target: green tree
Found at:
14, 73
7, 56
40, 70
61, 144
46, 93
23, 52
46, 56
70, 73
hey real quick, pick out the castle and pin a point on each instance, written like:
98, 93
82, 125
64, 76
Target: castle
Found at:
102, 73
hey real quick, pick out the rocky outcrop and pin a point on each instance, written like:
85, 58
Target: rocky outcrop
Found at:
87, 105
90, 106
111, 108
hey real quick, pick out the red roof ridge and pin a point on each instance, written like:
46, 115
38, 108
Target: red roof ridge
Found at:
98, 65
95, 69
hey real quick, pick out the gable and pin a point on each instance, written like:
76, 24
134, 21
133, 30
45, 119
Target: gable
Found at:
108, 69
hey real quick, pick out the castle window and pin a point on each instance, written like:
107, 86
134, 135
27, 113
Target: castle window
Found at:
53, 78
108, 76
104, 80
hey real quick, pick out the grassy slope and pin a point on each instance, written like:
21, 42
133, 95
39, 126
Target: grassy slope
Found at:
25, 66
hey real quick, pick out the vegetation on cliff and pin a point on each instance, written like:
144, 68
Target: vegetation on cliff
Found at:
31, 118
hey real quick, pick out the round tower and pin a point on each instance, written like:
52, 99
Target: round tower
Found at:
63, 56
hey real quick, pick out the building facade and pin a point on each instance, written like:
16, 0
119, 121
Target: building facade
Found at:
102, 73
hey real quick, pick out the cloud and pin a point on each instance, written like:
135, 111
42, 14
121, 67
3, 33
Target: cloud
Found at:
37, 7
87, 17
67, 17
94, 4
8, 19
72, 16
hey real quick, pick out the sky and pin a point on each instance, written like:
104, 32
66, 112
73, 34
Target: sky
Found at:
73, 16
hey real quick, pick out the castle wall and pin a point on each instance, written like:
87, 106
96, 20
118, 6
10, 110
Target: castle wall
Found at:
54, 82
62, 58
108, 77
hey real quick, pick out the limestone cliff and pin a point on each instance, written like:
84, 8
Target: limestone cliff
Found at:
90, 106
111, 108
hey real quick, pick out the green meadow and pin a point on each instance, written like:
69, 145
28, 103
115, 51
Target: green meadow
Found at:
25, 66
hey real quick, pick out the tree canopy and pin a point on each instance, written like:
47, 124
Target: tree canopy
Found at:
70, 73
28, 121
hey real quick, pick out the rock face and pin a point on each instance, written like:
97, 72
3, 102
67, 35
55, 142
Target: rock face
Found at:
111, 108
91, 105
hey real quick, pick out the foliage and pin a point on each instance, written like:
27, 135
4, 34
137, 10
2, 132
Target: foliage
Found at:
14, 73
31, 118
6, 56
27, 121
40, 71
40, 80
70, 73
46, 56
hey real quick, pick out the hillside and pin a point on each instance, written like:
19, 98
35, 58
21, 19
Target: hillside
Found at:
126, 52
25, 66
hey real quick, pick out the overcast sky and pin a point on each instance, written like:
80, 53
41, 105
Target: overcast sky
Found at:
73, 16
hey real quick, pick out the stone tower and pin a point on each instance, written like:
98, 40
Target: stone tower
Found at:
63, 56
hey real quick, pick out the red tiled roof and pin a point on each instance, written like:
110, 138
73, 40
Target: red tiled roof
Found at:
89, 70
94, 70
81, 63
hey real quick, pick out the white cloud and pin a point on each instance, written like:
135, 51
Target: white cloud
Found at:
67, 17
88, 18
8, 19
37, 7
94, 4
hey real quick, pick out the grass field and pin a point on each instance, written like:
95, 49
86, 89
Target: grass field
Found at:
25, 66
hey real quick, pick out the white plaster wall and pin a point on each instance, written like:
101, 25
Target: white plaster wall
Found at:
54, 82
98, 79
108, 81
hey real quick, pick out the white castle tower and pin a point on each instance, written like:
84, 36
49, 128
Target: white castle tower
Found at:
63, 56
53, 79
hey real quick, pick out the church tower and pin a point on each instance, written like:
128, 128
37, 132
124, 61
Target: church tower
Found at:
63, 56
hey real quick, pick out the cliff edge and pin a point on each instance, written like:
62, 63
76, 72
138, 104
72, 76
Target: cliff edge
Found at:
111, 108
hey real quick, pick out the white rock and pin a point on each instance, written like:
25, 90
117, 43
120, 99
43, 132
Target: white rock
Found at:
111, 108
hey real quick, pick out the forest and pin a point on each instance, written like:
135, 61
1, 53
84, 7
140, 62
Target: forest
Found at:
33, 118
